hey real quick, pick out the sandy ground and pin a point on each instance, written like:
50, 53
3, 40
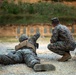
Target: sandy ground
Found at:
46, 56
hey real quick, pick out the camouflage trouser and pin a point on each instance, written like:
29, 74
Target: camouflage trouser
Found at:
30, 58
60, 47
26, 55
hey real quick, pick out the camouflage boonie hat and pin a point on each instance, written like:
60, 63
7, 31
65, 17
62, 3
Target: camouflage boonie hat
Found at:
23, 37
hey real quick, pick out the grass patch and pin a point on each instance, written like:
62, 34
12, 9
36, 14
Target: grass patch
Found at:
8, 39
13, 39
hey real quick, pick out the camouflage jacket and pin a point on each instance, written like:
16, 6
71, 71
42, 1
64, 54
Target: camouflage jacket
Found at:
61, 33
30, 43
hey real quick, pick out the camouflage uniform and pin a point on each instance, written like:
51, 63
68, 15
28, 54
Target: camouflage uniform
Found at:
24, 54
62, 40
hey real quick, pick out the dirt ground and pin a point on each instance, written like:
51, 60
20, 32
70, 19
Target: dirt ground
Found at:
46, 56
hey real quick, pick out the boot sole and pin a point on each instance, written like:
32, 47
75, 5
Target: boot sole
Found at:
44, 67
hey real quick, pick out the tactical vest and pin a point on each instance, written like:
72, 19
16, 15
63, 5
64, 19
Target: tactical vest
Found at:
27, 44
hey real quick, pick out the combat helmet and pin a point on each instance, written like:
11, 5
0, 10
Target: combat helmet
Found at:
23, 37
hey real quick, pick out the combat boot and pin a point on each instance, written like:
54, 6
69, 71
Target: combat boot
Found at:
43, 67
65, 57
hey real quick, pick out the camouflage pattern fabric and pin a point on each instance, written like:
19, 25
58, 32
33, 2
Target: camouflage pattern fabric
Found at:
30, 58
61, 40
23, 55
11, 58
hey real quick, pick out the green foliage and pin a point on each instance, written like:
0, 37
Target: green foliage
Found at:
10, 7
30, 9
36, 12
